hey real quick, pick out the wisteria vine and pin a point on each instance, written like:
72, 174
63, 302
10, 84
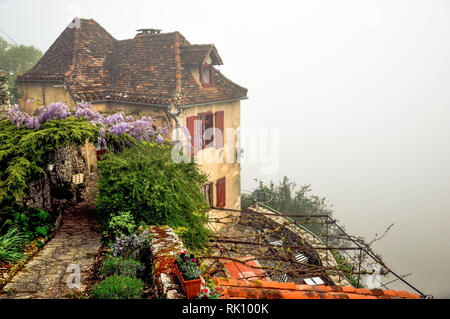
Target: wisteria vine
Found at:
116, 124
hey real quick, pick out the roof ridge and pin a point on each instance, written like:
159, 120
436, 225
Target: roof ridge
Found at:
244, 288
76, 36
178, 84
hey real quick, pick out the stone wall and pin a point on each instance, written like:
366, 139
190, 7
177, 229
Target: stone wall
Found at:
165, 247
53, 190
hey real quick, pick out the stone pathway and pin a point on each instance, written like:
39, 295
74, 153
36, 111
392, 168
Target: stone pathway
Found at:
75, 243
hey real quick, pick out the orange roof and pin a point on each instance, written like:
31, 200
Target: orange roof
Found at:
257, 289
247, 269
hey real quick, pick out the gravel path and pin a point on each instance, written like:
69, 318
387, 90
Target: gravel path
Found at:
75, 244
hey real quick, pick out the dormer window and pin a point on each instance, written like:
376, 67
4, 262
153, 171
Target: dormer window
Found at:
206, 75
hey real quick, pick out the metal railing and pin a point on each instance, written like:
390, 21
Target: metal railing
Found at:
346, 236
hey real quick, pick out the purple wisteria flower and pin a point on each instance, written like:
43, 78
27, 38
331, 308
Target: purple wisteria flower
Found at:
120, 128
33, 124
114, 119
101, 140
53, 111
116, 124
85, 110
17, 116
142, 129
159, 139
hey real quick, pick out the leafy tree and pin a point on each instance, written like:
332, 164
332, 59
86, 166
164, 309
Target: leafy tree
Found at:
145, 181
16, 59
286, 199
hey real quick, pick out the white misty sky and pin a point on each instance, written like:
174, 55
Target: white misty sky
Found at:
359, 91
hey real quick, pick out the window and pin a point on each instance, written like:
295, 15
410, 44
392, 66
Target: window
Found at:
201, 122
206, 75
208, 193
220, 191
207, 120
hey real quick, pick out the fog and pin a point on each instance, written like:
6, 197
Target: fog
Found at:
358, 91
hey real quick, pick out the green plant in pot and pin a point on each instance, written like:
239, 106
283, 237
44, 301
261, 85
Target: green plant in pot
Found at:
189, 273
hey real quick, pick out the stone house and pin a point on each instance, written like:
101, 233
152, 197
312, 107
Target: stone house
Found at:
154, 73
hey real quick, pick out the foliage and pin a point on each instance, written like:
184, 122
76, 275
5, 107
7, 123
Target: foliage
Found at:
31, 222
121, 224
286, 199
121, 266
347, 268
11, 245
143, 179
24, 152
26, 141
16, 59
189, 266
132, 246
118, 287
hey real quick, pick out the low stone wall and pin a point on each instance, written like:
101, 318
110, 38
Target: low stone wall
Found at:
165, 247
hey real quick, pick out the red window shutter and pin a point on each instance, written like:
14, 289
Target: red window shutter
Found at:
221, 192
219, 117
190, 126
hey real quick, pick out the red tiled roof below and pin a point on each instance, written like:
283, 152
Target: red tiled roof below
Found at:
247, 269
257, 289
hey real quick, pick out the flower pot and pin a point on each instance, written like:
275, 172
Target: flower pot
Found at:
191, 287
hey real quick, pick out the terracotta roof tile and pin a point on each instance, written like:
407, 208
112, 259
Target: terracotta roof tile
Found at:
244, 289
197, 53
145, 70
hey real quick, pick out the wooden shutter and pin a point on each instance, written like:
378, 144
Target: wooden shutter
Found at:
190, 126
221, 192
219, 117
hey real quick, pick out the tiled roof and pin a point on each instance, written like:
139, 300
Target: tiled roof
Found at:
247, 269
257, 289
197, 54
147, 69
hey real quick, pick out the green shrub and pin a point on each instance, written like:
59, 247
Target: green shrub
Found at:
144, 180
121, 224
121, 266
118, 287
11, 248
32, 222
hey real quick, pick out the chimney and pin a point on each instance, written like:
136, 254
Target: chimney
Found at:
143, 32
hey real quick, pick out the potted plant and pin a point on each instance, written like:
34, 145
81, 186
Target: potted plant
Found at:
188, 272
